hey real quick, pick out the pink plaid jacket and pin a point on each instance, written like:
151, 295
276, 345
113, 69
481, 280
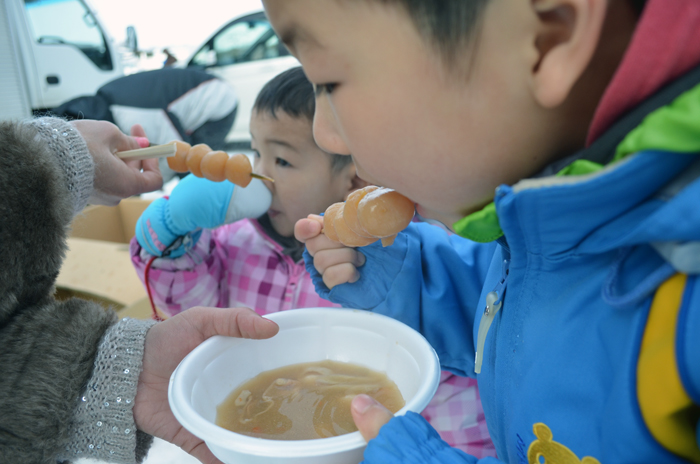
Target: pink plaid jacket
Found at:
239, 265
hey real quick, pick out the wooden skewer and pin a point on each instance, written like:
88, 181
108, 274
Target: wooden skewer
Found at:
155, 151
261, 177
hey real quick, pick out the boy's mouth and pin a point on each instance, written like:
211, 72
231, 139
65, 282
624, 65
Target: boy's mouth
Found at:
272, 212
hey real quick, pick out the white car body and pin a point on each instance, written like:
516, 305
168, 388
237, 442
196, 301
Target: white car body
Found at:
246, 54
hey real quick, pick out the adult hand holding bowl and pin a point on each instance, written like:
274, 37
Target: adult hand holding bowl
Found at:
167, 343
214, 369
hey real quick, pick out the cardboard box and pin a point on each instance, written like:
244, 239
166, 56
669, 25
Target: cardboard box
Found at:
98, 265
109, 223
140, 309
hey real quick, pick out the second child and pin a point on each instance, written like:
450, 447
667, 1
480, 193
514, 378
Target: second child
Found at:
225, 246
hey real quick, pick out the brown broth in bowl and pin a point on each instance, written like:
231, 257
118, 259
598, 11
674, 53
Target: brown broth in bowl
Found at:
304, 401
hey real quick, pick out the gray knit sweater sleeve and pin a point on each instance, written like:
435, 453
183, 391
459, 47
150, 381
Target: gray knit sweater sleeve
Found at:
103, 425
73, 156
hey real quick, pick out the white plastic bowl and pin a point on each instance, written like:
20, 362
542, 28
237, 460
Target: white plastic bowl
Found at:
215, 368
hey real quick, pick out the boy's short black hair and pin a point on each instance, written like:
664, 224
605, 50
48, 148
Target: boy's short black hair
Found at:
292, 92
446, 24
449, 24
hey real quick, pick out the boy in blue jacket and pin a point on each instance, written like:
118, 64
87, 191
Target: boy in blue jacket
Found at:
559, 139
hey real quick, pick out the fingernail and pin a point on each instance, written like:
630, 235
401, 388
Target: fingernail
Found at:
142, 141
362, 403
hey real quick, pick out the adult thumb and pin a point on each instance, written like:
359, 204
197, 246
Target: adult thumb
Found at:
369, 415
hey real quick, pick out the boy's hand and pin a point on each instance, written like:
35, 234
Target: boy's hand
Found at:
336, 263
369, 416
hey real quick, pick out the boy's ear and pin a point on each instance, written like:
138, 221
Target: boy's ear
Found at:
566, 40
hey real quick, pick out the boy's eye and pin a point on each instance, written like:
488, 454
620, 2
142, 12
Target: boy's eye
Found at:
256, 153
283, 163
324, 88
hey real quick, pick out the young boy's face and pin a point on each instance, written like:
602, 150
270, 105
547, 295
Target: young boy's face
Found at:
443, 139
304, 181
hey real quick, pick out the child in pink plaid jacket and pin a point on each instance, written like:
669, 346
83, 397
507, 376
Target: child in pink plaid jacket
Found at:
257, 263
237, 264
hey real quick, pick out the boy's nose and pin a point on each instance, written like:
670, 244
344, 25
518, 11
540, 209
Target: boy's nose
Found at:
326, 135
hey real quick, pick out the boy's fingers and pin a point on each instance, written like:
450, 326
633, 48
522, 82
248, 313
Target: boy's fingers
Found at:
369, 416
306, 229
340, 274
316, 217
331, 257
320, 243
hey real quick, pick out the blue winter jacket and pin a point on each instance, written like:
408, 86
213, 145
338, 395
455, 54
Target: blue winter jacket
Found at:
578, 270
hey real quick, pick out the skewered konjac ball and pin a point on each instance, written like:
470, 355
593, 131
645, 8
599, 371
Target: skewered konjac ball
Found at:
369, 214
216, 166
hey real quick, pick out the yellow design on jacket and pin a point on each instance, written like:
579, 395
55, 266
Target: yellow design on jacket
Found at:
544, 450
667, 410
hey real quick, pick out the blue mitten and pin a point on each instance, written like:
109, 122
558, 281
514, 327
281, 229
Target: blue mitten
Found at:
171, 226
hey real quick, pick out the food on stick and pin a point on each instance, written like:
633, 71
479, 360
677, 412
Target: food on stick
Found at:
194, 158
216, 166
238, 170
369, 214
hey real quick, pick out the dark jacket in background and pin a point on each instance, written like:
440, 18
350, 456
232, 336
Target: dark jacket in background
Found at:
171, 104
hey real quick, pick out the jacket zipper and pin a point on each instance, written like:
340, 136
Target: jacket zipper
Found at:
494, 302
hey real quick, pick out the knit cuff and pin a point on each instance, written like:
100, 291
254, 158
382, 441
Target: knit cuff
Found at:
73, 156
103, 426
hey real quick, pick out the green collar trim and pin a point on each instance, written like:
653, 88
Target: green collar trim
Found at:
674, 127
481, 226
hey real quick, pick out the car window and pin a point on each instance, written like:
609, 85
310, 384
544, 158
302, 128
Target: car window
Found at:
245, 40
77, 27
267, 48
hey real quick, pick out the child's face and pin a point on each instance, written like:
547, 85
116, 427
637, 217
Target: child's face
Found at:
304, 181
443, 140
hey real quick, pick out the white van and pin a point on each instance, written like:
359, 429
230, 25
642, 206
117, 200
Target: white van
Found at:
51, 51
